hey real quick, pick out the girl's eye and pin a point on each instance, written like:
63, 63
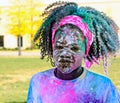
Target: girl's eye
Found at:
75, 49
59, 47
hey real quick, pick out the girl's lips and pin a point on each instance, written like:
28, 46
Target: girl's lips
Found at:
66, 61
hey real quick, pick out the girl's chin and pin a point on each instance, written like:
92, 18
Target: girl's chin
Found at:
65, 70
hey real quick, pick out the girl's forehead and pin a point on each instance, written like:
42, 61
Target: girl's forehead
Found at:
69, 33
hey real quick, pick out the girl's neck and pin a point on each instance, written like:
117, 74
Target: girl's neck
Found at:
74, 74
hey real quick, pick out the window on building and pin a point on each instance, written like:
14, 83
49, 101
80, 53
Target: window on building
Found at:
20, 41
1, 41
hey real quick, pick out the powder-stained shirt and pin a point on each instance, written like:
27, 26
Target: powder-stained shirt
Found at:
90, 87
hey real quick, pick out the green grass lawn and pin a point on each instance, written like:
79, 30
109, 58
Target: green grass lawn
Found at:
15, 74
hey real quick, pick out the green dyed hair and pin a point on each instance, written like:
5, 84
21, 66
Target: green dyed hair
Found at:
104, 29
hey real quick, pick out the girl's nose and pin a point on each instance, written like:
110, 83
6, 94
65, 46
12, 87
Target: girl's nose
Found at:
65, 54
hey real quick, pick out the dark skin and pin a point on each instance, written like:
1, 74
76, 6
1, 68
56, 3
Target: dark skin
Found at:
68, 52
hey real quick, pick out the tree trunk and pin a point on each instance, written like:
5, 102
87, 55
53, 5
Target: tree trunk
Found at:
19, 45
31, 41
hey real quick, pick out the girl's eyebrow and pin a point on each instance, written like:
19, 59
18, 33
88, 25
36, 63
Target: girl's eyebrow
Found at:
58, 42
74, 44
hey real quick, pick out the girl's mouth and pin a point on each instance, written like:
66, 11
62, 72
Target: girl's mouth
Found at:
66, 60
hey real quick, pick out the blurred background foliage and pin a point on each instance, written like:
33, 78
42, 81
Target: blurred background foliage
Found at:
23, 17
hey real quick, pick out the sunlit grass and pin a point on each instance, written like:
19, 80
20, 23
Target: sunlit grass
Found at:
113, 71
15, 74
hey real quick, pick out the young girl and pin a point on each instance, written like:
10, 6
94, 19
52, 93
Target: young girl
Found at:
68, 35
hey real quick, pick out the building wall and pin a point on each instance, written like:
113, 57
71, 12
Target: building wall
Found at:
26, 41
10, 41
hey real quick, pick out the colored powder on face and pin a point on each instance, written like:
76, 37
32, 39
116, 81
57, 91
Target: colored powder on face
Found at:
58, 33
82, 45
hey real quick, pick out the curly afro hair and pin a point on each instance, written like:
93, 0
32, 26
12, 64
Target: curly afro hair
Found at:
104, 29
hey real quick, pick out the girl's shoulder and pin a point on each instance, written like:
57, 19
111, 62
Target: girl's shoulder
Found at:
43, 74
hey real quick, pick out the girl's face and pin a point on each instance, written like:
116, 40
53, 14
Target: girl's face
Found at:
69, 49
